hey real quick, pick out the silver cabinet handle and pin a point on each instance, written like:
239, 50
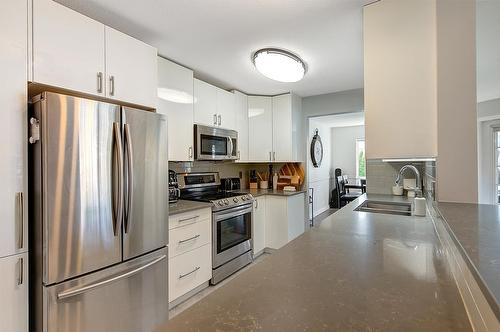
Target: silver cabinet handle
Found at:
215, 119
239, 155
256, 204
117, 176
186, 274
111, 85
82, 289
274, 155
20, 277
190, 152
219, 117
190, 239
187, 219
130, 177
270, 156
99, 82
20, 220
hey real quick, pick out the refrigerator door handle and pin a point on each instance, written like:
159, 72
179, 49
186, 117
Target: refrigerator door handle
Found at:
117, 178
84, 288
130, 177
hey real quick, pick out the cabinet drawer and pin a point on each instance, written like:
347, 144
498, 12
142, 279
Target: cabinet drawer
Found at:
190, 217
189, 237
188, 271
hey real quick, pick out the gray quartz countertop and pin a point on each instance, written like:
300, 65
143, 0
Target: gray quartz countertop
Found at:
185, 206
355, 271
475, 228
262, 192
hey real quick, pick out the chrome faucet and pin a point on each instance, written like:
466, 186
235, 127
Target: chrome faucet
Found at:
418, 188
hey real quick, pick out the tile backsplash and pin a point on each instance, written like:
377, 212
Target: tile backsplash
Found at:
226, 169
381, 176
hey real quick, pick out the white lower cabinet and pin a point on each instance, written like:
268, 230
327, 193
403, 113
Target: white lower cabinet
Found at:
284, 219
188, 271
190, 251
259, 225
14, 293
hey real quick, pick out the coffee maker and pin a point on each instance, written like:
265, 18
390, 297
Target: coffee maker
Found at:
173, 187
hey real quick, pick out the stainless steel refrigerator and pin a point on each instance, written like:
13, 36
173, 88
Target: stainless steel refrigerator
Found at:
99, 195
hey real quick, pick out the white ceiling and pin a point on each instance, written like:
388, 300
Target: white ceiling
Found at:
488, 50
341, 120
216, 38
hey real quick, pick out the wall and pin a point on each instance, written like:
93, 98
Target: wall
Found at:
319, 178
343, 143
457, 165
327, 104
488, 110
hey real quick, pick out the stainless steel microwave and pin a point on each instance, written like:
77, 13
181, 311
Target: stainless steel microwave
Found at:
213, 143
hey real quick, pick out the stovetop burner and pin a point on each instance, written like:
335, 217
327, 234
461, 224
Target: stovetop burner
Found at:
205, 187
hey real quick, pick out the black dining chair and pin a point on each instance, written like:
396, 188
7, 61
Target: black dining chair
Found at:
343, 197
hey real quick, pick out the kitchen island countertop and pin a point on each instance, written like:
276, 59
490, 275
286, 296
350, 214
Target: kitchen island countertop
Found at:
355, 271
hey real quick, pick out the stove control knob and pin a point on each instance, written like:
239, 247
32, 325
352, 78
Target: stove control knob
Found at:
235, 200
220, 203
243, 198
247, 198
226, 201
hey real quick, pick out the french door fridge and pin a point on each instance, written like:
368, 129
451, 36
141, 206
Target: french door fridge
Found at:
99, 187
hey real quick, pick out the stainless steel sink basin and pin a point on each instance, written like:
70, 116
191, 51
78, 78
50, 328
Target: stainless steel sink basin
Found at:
396, 208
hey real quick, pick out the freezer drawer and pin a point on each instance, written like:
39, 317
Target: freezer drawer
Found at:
131, 297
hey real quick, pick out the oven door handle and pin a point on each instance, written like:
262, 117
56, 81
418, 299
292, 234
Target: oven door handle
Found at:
218, 216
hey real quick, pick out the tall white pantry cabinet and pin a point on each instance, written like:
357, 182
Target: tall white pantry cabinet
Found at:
13, 167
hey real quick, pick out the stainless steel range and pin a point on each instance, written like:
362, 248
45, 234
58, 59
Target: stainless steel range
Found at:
231, 221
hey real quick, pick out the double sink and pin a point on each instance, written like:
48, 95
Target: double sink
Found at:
395, 208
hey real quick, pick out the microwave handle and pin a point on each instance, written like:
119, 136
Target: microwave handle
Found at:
230, 145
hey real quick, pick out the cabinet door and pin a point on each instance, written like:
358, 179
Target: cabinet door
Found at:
14, 290
226, 104
13, 171
282, 128
131, 68
259, 225
68, 48
205, 103
260, 128
175, 99
241, 110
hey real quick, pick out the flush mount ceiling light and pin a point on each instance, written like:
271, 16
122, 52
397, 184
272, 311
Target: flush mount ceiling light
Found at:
279, 65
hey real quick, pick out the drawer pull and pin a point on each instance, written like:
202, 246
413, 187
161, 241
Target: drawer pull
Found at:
186, 274
187, 219
190, 239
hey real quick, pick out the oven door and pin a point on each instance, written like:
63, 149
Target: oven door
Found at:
231, 234
215, 143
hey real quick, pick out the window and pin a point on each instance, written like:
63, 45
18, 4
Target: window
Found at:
360, 159
497, 163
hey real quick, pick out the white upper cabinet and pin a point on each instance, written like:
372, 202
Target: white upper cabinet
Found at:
226, 112
68, 48
14, 290
205, 103
274, 132
282, 128
74, 52
131, 68
13, 131
175, 92
241, 110
400, 79
260, 128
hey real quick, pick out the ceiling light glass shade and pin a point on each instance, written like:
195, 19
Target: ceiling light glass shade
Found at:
279, 65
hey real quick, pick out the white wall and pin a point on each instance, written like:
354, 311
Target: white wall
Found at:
343, 143
319, 178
